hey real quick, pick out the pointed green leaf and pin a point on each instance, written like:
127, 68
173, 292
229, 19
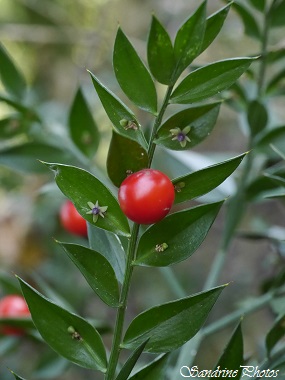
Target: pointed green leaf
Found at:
97, 271
258, 4
257, 117
154, 370
214, 24
164, 325
232, 357
132, 75
110, 246
131, 362
189, 39
210, 80
118, 112
11, 77
276, 333
125, 156
269, 136
83, 129
272, 86
196, 184
277, 14
160, 53
17, 377
68, 334
81, 187
201, 120
250, 24
182, 232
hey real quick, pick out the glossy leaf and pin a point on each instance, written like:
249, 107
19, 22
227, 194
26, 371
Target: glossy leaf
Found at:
131, 362
68, 334
182, 232
10, 76
277, 14
189, 39
214, 24
210, 80
250, 24
154, 370
132, 75
198, 183
125, 156
83, 129
258, 4
25, 157
201, 120
90, 190
118, 112
164, 325
232, 357
257, 117
17, 377
276, 333
160, 53
109, 245
97, 271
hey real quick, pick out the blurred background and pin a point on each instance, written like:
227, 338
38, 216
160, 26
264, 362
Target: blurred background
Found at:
54, 43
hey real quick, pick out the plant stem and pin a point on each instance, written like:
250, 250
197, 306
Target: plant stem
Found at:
118, 331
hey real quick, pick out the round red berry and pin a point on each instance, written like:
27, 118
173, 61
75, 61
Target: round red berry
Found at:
71, 220
13, 306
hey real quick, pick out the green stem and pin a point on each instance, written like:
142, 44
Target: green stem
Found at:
118, 331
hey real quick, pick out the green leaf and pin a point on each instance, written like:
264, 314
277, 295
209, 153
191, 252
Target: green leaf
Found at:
154, 370
182, 232
164, 325
276, 333
232, 357
83, 129
97, 271
125, 156
118, 112
201, 121
25, 157
160, 53
11, 77
68, 334
92, 190
250, 25
17, 377
109, 245
214, 24
132, 75
258, 4
272, 86
257, 117
131, 362
196, 184
277, 14
189, 39
210, 80
269, 136
21, 322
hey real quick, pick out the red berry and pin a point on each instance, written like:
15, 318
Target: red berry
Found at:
13, 306
146, 196
71, 220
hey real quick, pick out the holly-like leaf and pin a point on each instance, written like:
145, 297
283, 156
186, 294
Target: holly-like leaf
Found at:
11, 77
83, 129
214, 24
250, 24
110, 246
257, 117
198, 183
193, 124
232, 357
132, 75
97, 271
189, 39
177, 236
90, 191
68, 334
154, 370
122, 118
276, 333
164, 325
210, 80
131, 362
125, 156
160, 53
